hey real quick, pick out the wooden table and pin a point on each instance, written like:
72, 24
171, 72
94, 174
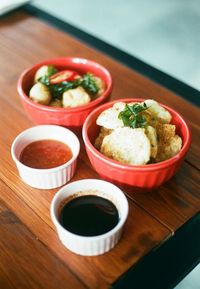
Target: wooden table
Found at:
162, 235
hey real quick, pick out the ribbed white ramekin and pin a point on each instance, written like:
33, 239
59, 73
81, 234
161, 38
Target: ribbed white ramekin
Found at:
90, 246
46, 178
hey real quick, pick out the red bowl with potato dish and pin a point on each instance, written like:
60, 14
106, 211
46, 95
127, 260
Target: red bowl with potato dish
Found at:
149, 168
63, 90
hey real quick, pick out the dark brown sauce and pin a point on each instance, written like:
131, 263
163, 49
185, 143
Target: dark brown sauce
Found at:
45, 154
89, 215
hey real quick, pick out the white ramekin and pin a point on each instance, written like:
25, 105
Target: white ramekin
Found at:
46, 178
95, 245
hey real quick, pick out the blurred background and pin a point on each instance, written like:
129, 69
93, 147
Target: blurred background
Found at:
165, 34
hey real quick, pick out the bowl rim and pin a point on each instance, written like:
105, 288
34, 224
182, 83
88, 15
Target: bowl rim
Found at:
115, 229
43, 171
149, 167
71, 59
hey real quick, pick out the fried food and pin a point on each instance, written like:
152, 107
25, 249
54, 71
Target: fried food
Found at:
152, 136
137, 133
101, 85
127, 145
157, 111
103, 132
109, 117
169, 144
75, 97
40, 93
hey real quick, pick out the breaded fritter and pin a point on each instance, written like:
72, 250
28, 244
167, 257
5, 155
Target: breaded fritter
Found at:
152, 136
157, 111
127, 145
138, 146
103, 132
169, 144
109, 117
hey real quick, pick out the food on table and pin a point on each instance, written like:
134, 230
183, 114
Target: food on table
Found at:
64, 88
169, 142
40, 93
56, 103
137, 133
109, 118
127, 145
103, 132
100, 84
75, 97
45, 70
64, 75
45, 154
151, 133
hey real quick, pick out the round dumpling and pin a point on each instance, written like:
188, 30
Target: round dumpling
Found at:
44, 70
75, 97
40, 93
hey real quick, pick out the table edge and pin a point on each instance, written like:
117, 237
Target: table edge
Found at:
185, 245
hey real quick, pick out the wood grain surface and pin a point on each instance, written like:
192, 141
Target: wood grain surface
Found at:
31, 254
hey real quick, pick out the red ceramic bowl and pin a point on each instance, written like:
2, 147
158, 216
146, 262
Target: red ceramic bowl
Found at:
142, 178
71, 117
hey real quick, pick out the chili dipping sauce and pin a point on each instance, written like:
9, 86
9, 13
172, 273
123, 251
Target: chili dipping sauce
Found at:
45, 154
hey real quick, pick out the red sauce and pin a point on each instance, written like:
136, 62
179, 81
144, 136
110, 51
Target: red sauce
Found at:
45, 154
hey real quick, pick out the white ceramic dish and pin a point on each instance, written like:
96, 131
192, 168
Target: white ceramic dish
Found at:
46, 178
95, 245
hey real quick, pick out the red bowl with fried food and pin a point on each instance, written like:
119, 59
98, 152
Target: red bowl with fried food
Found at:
142, 177
73, 117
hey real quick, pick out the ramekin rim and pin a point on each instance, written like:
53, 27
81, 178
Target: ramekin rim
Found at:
110, 233
44, 171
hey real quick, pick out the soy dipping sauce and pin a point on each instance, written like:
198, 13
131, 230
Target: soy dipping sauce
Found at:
89, 215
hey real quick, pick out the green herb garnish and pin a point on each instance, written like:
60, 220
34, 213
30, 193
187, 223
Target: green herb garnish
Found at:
132, 116
44, 80
88, 82
57, 90
51, 70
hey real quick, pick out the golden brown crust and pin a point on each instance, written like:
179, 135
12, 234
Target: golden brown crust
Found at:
169, 144
103, 132
164, 143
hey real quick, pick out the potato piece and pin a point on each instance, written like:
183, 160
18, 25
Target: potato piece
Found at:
75, 97
157, 111
127, 145
152, 136
109, 117
40, 93
56, 103
102, 134
169, 144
